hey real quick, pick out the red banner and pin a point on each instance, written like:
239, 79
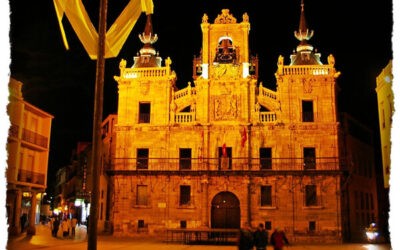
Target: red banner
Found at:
244, 136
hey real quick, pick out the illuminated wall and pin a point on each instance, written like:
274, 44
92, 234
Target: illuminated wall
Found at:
385, 97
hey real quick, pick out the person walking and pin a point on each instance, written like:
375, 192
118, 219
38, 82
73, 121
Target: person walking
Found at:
23, 220
278, 239
74, 221
56, 226
246, 240
261, 238
65, 228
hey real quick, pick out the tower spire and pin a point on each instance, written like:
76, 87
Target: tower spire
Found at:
304, 52
303, 34
147, 56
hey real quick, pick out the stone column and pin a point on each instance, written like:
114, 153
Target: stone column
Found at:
15, 228
206, 207
32, 215
249, 218
247, 206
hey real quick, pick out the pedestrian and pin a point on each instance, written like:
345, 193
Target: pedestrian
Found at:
65, 227
74, 221
51, 222
261, 238
23, 220
246, 240
69, 225
278, 239
56, 226
87, 223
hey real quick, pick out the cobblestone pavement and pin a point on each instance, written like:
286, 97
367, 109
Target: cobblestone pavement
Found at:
44, 240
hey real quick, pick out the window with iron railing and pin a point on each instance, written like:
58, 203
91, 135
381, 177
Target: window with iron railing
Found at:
144, 112
265, 158
142, 158
309, 158
225, 158
185, 158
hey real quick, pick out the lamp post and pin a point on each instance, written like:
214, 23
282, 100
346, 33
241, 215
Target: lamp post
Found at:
97, 120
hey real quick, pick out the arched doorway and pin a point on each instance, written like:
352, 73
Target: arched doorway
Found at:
225, 211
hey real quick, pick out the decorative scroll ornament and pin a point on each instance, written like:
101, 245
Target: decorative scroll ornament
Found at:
225, 17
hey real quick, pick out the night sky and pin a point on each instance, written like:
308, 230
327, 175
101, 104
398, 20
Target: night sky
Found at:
61, 82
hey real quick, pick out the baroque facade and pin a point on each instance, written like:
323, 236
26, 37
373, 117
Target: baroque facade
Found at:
225, 150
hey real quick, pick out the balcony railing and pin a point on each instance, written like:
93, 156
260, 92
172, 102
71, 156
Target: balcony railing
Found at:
34, 138
226, 164
144, 72
31, 177
308, 70
13, 131
267, 116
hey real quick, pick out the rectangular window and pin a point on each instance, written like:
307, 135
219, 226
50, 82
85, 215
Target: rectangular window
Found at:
266, 196
185, 158
142, 158
309, 158
311, 226
311, 195
144, 112
141, 198
308, 111
184, 198
183, 224
265, 158
141, 224
225, 162
268, 225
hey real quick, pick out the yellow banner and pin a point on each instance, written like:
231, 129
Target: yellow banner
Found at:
117, 34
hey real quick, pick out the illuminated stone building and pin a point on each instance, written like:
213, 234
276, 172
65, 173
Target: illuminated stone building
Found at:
225, 150
385, 100
359, 189
28, 152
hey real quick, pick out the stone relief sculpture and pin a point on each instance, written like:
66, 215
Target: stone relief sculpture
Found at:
225, 107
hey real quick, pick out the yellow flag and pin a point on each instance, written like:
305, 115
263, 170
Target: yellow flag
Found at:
117, 34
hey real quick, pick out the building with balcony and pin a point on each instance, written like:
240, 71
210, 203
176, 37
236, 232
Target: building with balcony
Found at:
225, 150
27, 162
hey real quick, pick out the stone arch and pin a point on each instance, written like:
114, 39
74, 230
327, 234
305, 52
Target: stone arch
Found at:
225, 210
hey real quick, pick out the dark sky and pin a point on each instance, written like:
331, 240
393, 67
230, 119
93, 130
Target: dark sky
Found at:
61, 82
